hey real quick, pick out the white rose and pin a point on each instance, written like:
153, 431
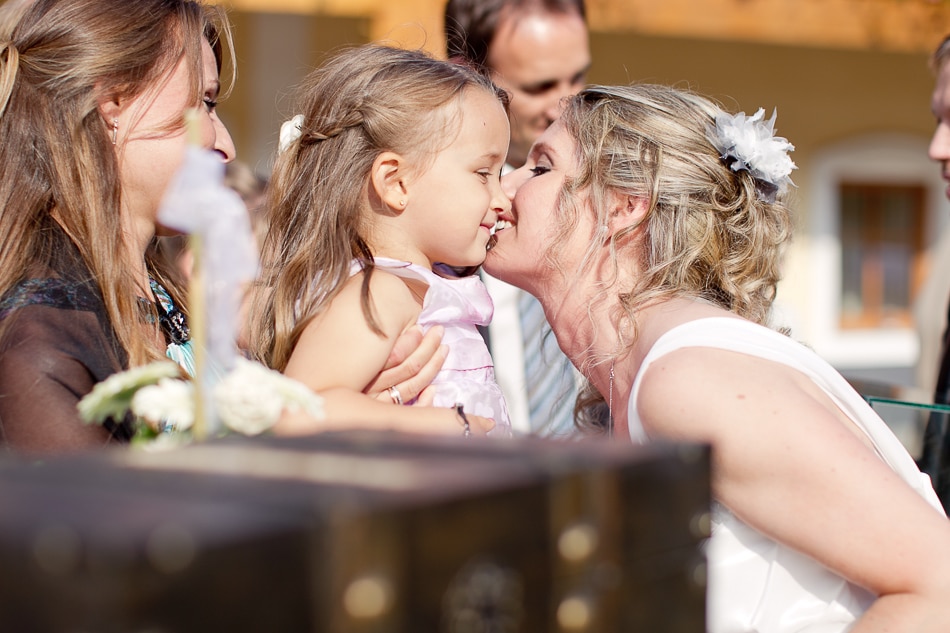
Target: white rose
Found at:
246, 400
112, 396
298, 396
251, 398
170, 402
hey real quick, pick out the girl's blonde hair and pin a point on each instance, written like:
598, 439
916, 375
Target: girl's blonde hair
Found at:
707, 232
58, 60
362, 102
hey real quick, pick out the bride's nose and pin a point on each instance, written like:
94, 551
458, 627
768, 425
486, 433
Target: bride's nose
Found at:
511, 181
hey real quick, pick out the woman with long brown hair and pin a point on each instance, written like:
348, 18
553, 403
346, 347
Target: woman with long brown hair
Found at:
93, 95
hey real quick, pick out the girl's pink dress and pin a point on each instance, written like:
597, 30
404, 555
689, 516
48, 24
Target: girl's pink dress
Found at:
459, 305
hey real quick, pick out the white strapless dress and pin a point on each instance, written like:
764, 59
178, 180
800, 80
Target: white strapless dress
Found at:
757, 585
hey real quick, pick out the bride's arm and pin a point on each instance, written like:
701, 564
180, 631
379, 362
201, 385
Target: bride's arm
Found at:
790, 465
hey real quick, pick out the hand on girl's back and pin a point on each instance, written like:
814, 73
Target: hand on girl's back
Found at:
412, 364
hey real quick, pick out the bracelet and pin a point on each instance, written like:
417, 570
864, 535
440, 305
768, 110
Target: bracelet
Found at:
466, 427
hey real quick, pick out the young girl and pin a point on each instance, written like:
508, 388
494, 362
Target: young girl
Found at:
393, 165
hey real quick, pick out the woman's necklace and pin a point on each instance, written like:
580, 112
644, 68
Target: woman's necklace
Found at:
610, 402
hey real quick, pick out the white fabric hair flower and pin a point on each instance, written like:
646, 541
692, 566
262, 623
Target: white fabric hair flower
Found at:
290, 131
749, 143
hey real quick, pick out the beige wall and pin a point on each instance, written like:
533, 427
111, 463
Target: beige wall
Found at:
821, 94
274, 51
890, 25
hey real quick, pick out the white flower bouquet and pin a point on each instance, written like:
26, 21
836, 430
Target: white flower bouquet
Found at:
248, 400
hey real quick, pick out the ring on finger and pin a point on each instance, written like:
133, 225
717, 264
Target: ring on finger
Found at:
395, 395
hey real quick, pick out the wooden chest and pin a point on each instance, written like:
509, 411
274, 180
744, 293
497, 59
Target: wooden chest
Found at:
358, 532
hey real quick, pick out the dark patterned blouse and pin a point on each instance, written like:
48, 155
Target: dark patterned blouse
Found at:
56, 343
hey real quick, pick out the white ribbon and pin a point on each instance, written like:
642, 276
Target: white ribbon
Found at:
198, 202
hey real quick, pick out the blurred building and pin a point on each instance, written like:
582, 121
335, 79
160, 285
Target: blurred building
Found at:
852, 87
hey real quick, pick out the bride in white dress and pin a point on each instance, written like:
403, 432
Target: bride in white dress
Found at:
660, 221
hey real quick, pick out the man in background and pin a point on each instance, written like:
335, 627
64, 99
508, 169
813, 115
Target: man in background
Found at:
538, 51
936, 456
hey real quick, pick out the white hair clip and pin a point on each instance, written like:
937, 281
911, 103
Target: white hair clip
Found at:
290, 131
749, 143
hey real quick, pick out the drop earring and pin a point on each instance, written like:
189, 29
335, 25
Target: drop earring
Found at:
115, 130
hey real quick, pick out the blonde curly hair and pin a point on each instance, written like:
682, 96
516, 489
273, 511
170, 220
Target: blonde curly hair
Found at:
706, 233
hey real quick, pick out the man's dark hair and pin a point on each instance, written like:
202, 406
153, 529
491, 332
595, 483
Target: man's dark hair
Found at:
940, 56
471, 25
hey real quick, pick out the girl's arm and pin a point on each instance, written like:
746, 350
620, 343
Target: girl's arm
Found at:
788, 463
339, 356
346, 409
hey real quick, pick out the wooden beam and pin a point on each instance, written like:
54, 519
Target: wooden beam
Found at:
886, 25
406, 23
352, 8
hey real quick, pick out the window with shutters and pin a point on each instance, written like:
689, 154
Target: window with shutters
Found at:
882, 253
